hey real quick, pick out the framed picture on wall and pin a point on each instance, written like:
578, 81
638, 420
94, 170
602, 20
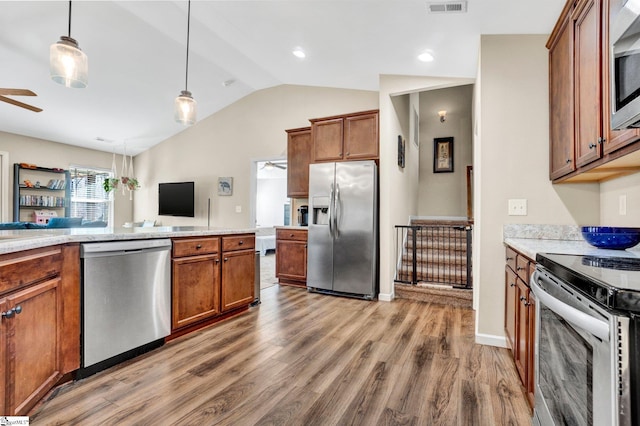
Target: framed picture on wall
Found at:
225, 186
443, 155
401, 151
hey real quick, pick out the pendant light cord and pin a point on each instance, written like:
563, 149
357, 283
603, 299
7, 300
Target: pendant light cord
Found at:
186, 74
69, 18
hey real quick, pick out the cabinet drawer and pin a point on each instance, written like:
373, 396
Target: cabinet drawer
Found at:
238, 242
522, 268
22, 269
291, 234
195, 246
511, 258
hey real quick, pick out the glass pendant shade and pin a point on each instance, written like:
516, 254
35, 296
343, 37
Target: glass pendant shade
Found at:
69, 65
185, 108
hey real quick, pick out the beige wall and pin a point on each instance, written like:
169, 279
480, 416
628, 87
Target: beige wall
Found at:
512, 161
43, 153
610, 193
225, 143
445, 194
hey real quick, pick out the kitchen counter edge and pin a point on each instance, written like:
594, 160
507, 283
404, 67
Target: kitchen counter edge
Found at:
20, 240
530, 247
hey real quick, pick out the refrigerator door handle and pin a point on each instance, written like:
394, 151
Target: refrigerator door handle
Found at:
336, 211
331, 212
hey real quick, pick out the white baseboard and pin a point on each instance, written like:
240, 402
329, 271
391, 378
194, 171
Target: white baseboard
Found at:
491, 340
385, 297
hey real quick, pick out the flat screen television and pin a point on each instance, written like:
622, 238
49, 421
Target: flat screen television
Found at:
176, 199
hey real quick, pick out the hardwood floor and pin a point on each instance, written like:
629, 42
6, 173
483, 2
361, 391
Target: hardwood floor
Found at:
307, 359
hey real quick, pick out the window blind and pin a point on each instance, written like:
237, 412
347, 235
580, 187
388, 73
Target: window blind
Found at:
88, 197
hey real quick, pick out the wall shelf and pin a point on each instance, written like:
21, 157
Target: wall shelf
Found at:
28, 198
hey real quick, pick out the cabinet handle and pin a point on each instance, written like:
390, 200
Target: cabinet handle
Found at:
226, 258
291, 236
241, 243
512, 285
568, 160
509, 258
217, 261
524, 299
519, 268
199, 246
11, 312
339, 154
348, 154
593, 145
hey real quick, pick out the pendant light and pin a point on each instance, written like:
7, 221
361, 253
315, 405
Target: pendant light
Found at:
68, 65
185, 105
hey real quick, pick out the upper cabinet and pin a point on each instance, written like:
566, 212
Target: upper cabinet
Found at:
582, 145
345, 137
299, 156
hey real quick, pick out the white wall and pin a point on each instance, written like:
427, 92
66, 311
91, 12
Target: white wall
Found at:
445, 194
225, 143
43, 153
271, 195
512, 161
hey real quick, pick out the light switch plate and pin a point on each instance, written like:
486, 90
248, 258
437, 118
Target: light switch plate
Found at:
517, 207
238, 209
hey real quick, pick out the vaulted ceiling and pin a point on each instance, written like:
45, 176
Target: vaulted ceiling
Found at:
137, 51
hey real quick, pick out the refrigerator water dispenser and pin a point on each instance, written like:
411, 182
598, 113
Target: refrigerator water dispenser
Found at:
320, 214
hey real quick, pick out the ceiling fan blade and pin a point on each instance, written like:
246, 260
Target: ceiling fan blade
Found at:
17, 92
280, 166
20, 104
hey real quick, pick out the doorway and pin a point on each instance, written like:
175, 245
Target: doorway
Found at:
270, 208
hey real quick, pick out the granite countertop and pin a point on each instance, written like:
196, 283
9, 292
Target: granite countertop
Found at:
533, 239
18, 240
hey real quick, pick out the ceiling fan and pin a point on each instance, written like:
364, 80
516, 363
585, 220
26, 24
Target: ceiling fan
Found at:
270, 165
18, 92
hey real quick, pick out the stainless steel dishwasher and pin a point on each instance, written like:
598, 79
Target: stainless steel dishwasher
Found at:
126, 295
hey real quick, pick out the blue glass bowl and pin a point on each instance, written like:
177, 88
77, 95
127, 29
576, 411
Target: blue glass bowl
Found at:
608, 237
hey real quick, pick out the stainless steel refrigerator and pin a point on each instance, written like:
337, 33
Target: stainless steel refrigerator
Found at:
342, 255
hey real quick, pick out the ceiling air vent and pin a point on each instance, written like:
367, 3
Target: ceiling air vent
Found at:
448, 7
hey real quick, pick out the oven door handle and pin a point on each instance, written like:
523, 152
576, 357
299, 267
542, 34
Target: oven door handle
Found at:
579, 319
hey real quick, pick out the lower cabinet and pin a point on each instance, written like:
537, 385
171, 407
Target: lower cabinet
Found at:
520, 317
211, 276
291, 256
39, 329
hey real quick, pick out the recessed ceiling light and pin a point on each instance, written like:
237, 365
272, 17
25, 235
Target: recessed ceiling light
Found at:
425, 57
299, 53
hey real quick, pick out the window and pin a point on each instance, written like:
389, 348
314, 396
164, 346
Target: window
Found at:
88, 197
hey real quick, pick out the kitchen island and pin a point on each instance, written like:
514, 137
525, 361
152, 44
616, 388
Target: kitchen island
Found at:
212, 278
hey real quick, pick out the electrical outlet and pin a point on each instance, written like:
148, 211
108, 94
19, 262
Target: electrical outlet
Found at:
517, 207
622, 201
238, 209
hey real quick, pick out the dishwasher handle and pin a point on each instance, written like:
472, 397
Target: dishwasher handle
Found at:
120, 248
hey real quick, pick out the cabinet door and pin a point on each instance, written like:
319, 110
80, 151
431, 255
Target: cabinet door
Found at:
531, 341
327, 138
361, 137
588, 78
196, 289
522, 329
613, 139
561, 161
238, 275
299, 153
3, 358
33, 350
291, 260
510, 308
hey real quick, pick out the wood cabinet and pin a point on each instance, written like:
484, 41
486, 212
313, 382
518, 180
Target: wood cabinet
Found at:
346, 137
238, 271
583, 147
291, 256
40, 325
299, 155
195, 280
520, 317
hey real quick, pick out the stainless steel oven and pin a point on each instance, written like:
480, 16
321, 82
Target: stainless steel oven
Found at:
582, 357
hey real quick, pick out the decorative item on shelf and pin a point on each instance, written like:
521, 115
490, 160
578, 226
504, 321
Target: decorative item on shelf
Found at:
185, 105
69, 65
28, 184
